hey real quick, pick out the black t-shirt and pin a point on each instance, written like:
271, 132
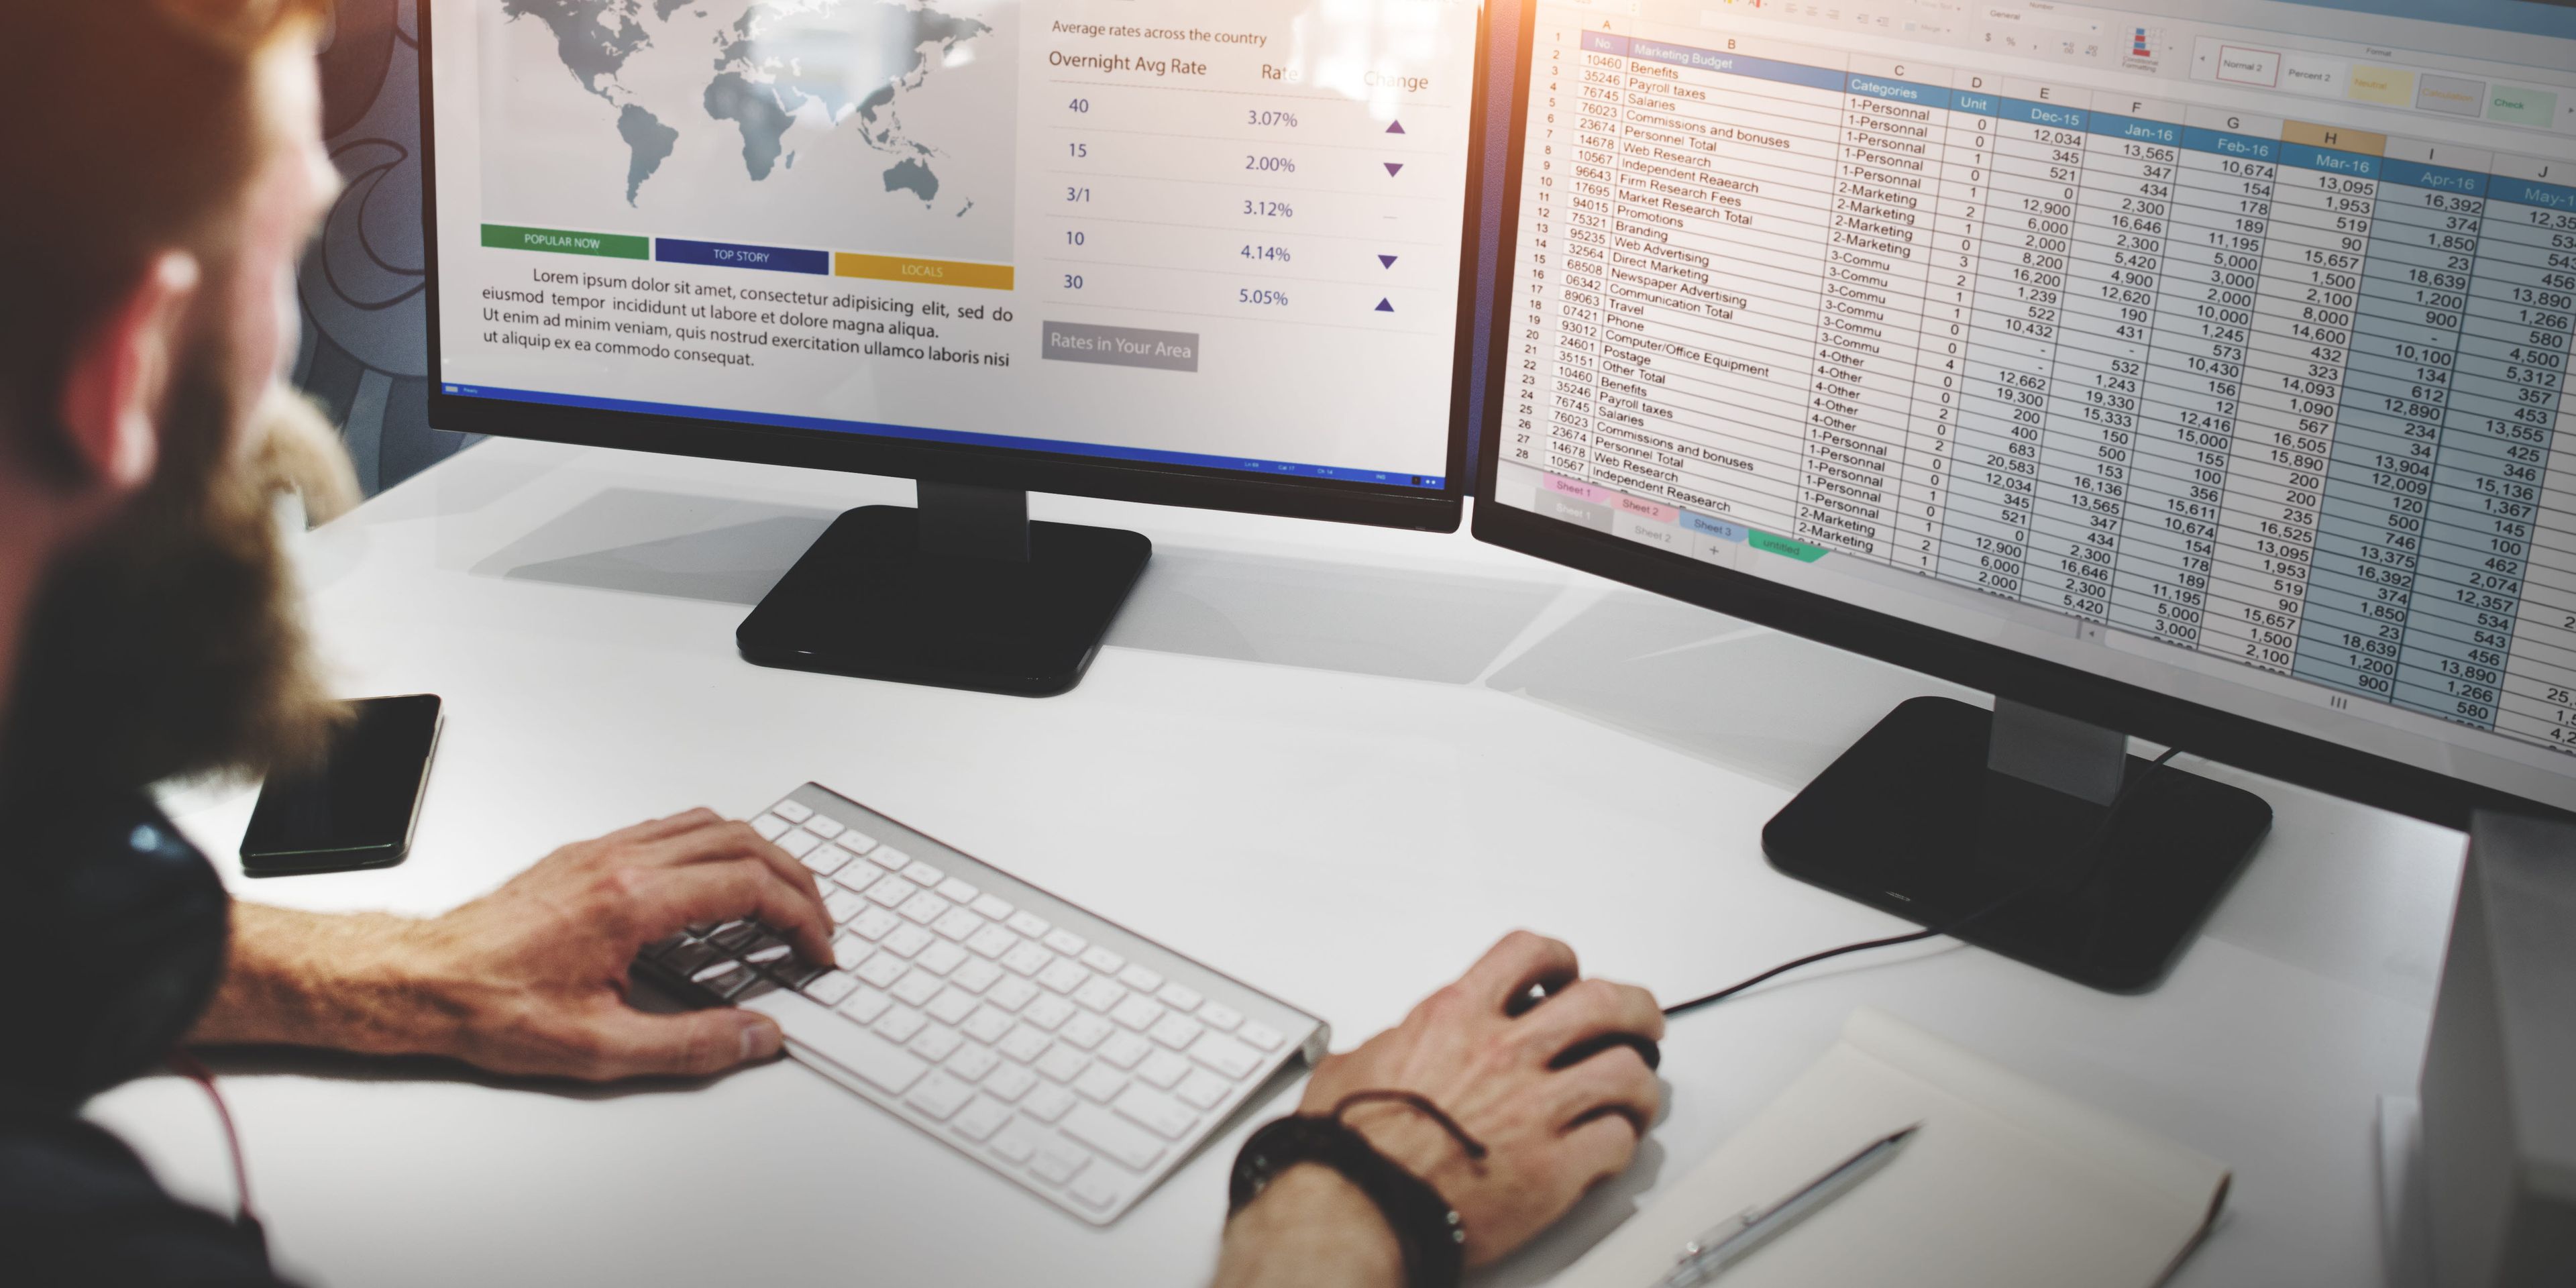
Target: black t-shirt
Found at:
78, 1207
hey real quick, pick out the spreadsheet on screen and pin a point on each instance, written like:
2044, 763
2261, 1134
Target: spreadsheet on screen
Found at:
2219, 357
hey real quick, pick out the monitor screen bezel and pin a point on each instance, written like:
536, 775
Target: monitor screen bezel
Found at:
1334, 500
2304, 759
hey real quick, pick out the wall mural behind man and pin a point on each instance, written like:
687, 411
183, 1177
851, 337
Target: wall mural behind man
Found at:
366, 351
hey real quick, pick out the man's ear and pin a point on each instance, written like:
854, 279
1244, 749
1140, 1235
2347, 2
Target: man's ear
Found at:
120, 374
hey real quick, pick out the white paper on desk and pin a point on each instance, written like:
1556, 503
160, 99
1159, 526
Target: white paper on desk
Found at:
2008, 1184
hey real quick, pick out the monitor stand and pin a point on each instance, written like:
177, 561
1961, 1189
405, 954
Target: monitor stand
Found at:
1944, 809
962, 592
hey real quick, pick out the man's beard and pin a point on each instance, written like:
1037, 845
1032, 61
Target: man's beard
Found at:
169, 642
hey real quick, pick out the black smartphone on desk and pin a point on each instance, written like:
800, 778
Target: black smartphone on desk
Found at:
358, 809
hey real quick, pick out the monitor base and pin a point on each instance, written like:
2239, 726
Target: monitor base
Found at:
1913, 821
961, 593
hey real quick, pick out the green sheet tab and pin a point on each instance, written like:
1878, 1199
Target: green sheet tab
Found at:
1798, 550
566, 242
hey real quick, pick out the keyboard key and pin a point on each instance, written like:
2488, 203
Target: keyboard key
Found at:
853, 877
1155, 1112
984, 1024
935, 1042
830, 987
799, 843
889, 858
1140, 978
1027, 959
940, 957
726, 979
1099, 958
770, 826
849, 949
1066, 942
1099, 993
824, 860
971, 1060
1062, 1063
1162, 1069
1262, 1036
1100, 1082
975, 975
993, 906
1029, 923
1120, 1142
1203, 1089
939, 1095
873, 924
1123, 1049
1063, 976
690, 958
957, 923
980, 1118
905, 941
1047, 1012
1057, 1163
822, 827
842, 905
1015, 1146
924, 874
856, 841
1095, 1190
866, 1005
899, 1023
925, 907
892, 891
1138, 1013
1225, 1055
1180, 997
1177, 1032
735, 936
1085, 1030
1010, 992
791, 811
916, 988
956, 890
765, 955
1219, 1016
993, 941
1047, 1102
852, 1048
1008, 1082
1025, 1044
952, 1006
882, 969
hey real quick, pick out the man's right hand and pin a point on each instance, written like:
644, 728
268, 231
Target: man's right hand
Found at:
1550, 1133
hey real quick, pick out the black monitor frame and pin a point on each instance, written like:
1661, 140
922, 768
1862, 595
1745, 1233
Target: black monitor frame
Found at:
1337, 500
2221, 735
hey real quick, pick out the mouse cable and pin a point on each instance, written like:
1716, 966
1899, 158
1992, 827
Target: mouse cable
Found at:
2101, 837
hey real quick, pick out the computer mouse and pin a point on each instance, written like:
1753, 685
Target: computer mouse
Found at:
1584, 1050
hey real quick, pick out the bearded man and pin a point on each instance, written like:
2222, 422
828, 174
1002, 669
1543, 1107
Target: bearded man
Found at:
160, 169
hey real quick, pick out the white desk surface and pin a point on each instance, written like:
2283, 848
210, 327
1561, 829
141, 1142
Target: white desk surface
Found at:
1335, 762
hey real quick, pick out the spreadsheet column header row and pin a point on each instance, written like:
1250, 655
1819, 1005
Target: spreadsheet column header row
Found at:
2302, 144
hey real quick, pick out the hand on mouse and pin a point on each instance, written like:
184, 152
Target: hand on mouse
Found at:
1552, 1130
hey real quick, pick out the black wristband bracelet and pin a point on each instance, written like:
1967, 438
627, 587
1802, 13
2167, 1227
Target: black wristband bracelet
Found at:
1428, 1232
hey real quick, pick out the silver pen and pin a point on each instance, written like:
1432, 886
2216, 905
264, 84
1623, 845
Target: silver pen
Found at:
1735, 1238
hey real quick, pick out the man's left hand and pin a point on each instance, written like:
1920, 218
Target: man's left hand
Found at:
530, 979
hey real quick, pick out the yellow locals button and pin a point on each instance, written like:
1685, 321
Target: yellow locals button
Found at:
929, 272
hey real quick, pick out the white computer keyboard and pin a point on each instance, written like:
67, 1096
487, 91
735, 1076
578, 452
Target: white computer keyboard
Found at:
1069, 1054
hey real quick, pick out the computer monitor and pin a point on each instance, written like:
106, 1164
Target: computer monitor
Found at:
2184, 368
1154, 251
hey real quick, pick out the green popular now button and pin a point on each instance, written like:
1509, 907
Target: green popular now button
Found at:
564, 241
